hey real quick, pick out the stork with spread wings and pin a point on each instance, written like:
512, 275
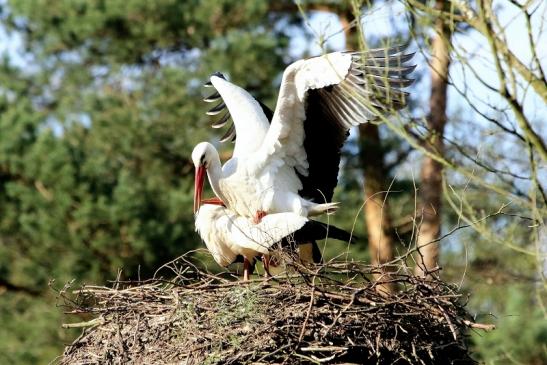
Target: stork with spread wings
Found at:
288, 160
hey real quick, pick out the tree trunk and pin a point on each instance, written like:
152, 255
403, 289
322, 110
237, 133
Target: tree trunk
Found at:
431, 171
377, 218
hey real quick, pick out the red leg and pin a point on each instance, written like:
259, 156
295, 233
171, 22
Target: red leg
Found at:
259, 215
246, 266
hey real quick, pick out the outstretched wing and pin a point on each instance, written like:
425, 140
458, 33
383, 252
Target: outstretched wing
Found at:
319, 100
251, 118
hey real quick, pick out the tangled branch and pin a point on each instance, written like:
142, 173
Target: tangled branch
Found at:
317, 314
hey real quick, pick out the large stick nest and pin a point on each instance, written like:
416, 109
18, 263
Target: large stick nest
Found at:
328, 314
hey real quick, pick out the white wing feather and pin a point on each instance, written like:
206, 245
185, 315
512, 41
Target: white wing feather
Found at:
319, 72
250, 121
285, 139
262, 236
209, 221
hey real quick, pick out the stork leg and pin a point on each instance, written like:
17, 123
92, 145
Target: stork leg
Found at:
258, 216
246, 267
266, 263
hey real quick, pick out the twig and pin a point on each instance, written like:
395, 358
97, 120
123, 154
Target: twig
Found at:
482, 326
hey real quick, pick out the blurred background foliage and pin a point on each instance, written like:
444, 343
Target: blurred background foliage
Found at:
100, 107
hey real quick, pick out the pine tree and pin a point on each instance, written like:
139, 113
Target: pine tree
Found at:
96, 131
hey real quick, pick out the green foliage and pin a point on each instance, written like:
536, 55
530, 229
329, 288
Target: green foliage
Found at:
521, 334
95, 138
29, 332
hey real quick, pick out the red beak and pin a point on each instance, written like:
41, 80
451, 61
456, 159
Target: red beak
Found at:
198, 186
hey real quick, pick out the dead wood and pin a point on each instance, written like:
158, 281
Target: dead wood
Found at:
324, 314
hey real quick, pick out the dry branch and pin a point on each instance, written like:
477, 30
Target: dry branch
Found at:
330, 314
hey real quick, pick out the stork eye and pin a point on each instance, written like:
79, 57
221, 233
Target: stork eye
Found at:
202, 160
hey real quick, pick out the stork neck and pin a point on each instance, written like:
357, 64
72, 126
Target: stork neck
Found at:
214, 173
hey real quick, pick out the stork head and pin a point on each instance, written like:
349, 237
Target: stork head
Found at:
202, 156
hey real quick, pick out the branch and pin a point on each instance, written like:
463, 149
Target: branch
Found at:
482, 326
537, 83
467, 15
523, 123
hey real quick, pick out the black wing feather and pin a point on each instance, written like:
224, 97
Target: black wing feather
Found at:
371, 88
315, 231
323, 143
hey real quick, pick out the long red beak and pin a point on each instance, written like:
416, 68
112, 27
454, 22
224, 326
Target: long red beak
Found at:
198, 186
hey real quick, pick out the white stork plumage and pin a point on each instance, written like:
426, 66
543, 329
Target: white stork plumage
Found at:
229, 236
288, 160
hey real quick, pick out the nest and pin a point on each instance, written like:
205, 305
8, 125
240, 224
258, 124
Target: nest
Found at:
324, 314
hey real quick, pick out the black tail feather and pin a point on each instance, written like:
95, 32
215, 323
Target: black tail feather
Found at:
315, 231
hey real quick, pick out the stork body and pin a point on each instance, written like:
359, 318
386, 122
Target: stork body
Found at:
288, 160
228, 235
247, 192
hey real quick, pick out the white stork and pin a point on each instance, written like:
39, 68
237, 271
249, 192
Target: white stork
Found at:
288, 160
229, 236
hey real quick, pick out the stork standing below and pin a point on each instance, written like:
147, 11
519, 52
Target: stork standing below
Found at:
288, 160
229, 236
